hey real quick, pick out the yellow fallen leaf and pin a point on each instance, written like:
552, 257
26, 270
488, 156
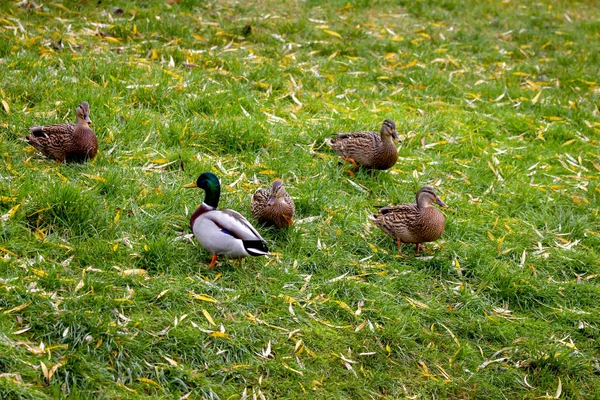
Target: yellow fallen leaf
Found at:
53, 370
40, 234
136, 271
288, 299
219, 334
208, 317
268, 172
262, 85
416, 303
95, 177
410, 64
13, 254
332, 33
362, 325
203, 297
112, 39
17, 309
344, 306
173, 74
125, 387
6, 107
536, 97
171, 361
10, 213
61, 176
38, 272
79, 285
45, 371
150, 381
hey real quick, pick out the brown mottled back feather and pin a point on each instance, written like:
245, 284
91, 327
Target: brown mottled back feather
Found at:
367, 148
409, 224
413, 223
279, 213
66, 142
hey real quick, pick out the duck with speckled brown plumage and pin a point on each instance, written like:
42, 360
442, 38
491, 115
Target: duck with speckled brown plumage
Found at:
66, 142
367, 148
418, 222
273, 206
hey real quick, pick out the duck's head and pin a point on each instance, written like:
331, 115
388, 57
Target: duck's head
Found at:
210, 184
388, 128
426, 195
83, 112
277, 192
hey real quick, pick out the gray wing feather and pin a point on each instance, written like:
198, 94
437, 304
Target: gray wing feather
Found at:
235, 229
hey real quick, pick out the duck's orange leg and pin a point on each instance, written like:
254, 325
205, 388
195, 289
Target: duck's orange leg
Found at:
351, 161
213, 262
417, 248
399, 243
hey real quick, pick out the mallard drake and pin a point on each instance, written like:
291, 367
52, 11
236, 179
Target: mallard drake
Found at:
413, 223
66, 142
273, 206
223, 232
367, 148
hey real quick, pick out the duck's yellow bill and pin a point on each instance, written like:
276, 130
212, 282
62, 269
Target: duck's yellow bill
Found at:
190, 185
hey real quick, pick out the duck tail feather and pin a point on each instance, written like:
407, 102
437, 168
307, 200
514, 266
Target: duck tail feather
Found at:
38, 131
256, 247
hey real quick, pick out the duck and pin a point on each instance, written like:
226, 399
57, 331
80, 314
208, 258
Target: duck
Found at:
417, 223
273, 206
369, 149
66, 142
223, 232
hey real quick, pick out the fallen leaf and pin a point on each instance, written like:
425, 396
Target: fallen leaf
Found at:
208, 317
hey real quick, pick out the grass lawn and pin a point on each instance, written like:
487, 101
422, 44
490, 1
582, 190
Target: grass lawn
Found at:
105, 294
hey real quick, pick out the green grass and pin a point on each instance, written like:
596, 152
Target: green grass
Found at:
496, 103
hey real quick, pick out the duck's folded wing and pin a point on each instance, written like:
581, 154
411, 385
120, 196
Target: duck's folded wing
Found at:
49, 130
399, 209
259, 201
358, 137
235, 224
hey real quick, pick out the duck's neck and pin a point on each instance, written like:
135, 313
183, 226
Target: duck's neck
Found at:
213, 193
422, 202
387, 144
210, 203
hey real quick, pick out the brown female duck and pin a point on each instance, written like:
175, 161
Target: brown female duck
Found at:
367, 148
66, 142
413, 223
273, 206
